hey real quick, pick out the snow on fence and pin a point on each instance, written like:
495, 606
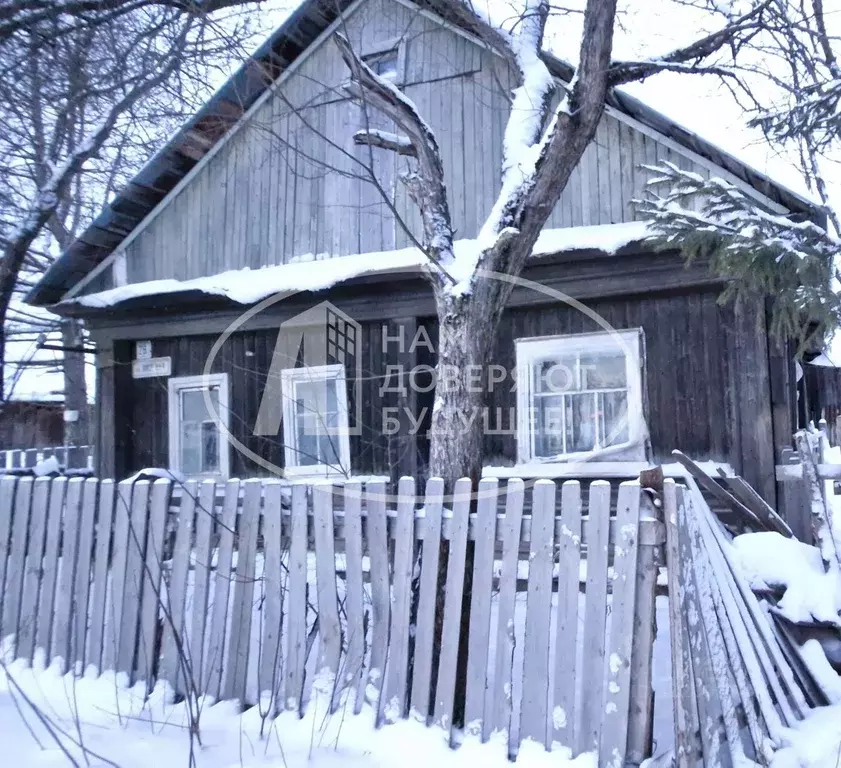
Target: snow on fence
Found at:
26, 458
256, 590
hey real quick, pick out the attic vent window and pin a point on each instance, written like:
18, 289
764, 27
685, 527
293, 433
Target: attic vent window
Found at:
384, 63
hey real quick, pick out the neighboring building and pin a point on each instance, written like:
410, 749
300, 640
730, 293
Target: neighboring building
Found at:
31, 424
251, 183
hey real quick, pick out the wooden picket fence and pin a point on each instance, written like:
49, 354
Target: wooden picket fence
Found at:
26, 458
261, 590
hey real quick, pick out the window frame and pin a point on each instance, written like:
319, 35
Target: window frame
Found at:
397, 44
178, 384
288, 378
529, 350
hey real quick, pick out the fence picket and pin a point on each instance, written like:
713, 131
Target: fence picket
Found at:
226, 526
49, 576
7, 501
480, 605
297, 601
614, 726
205, 517
135, 547
566, 634
380, 592
99, 589
270, 680
595, 615
15, 562
151, 579
114, 617
445, 690
329, 629
174, 618
87, 519
64, 607
533, 721
32, 570
428, 595
236, 673
354, 595
498, 704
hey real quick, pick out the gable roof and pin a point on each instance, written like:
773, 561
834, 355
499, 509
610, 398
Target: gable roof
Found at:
162, 173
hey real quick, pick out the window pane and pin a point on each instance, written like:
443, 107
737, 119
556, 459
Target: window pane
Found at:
210, 447
317, 419
614, 418
193, 406
199, 432
190, 448
603, 370
548, 426
556, 375
384, 64
580, 423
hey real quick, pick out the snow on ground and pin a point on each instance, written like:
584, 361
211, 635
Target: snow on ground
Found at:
121, 728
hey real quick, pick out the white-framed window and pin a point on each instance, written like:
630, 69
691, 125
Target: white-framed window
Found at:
198, 425
315, 420
579, 395
384, 63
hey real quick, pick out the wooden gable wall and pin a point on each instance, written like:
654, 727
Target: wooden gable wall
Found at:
290, 181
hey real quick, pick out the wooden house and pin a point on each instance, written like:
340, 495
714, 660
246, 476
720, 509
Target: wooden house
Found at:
262, 210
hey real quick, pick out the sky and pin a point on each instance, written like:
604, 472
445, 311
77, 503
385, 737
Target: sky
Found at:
645, 29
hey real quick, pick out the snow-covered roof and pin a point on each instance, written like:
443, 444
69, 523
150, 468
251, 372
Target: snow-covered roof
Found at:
250, 286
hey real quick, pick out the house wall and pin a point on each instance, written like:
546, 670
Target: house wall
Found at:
290, 182
713, 386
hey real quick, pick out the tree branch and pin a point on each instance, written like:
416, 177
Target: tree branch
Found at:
384, 140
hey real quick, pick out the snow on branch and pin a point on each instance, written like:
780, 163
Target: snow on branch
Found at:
372, 137
758, 253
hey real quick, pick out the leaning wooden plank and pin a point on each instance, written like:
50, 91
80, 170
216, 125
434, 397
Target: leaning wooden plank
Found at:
821, 528
480, 606
7, 501
17, 557
49, 577
743, 491
197, 671
396, 692
566, 635
173, 644
710, 485
270, 679
329, 628
226, 527
812, 690
354, 593
81, 619
32, 572
114, 619
380, 592
499, 701
595, 617
67, 573
445, 689
151, 578
684, 707
236, 671
614, 730
297, 600
136, 546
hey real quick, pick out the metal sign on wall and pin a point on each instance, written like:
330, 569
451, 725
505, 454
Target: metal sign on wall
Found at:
151, 367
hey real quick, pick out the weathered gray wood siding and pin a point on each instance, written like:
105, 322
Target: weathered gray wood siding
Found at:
290, 181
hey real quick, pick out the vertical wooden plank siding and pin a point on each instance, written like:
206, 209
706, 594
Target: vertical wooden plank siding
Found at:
354, 595
270, 679
499, 698
614, 726
7, 501
595, 615
398, 662
533, 716
237, 661
136, 547
99, 593
173, 645
49, 578
151, 593
330, 631
114, 617
297, 600
480, 606
445, 690
226, 526
428, 591
15, 562
32, 573
62, 627
199, 674
375, 495
566, 630
81, 607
